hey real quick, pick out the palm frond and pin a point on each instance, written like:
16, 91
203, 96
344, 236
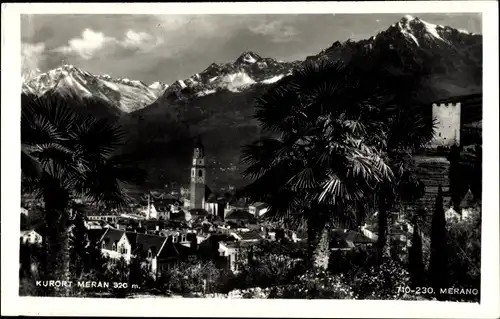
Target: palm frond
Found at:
304, 180
97, 138
29, 165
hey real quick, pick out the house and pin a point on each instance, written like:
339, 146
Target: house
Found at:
239, 217
258, 209
115, 244
370, 231
248, 236
95, 234
93, 225
214, 205
344, 239
107, 218
30, 237
468, 206
199, 214
121, 244
233, 253
24, 211
149, 211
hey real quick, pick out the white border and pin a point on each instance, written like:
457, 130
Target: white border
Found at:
14, 305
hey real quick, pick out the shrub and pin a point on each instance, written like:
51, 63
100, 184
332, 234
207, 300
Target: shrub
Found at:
464, 252
188, 277
317, 284
381, 282
268, 270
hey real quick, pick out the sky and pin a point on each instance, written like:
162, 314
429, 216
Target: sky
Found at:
170, 47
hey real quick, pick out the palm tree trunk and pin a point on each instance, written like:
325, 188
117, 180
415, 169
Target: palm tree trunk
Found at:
58, 261
318, 241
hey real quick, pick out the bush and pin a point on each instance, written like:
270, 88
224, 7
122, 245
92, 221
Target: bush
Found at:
189, 277
268, 270
464, 264
315, 285
251, 293
347, 262
382, 282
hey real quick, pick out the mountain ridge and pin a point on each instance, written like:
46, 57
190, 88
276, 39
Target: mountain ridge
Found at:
67, 80
217, 103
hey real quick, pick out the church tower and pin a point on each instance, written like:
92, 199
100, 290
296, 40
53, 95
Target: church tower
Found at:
197, 192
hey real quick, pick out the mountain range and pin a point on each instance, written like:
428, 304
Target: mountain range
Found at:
217, 103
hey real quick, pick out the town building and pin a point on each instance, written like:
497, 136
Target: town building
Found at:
198, 178
107, 218
160, 251
31, 237
345, 239
258, 209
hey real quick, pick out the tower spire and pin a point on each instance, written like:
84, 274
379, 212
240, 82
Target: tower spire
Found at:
198, 178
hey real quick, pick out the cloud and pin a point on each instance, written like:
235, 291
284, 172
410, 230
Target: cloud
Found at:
31, 56
92, 43
276, 30
140, 41
87, 45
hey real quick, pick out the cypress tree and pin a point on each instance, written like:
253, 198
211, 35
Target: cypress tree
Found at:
438, 261
416, 263
455, 176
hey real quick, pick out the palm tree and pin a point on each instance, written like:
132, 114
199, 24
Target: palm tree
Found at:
66, 155
408, 129
322, 157
408, 126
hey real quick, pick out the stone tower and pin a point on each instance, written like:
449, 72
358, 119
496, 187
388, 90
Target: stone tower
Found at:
197, 191
447, 118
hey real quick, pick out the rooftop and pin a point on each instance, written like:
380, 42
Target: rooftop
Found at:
239, 214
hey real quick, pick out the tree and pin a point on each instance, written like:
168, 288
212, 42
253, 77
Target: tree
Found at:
321, 157
416, 263
118, 271
66, 155
438, 261
409, 128
477, 171
456, 177
464, 254
400, 81
78, 245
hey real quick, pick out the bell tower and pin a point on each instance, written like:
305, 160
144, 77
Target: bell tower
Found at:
198, 171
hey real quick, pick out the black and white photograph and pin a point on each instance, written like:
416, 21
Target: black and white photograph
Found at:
252, 156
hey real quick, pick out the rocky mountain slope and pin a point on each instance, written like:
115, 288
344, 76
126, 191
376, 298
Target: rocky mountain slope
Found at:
217, 103
247, 71
122, 94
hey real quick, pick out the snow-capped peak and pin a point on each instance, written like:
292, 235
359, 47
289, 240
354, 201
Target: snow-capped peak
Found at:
125, 94
432, 29
248, 57
407, 18
410, 26
158, 86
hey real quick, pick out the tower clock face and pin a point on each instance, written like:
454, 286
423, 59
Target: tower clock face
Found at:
200, 180
194, 161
